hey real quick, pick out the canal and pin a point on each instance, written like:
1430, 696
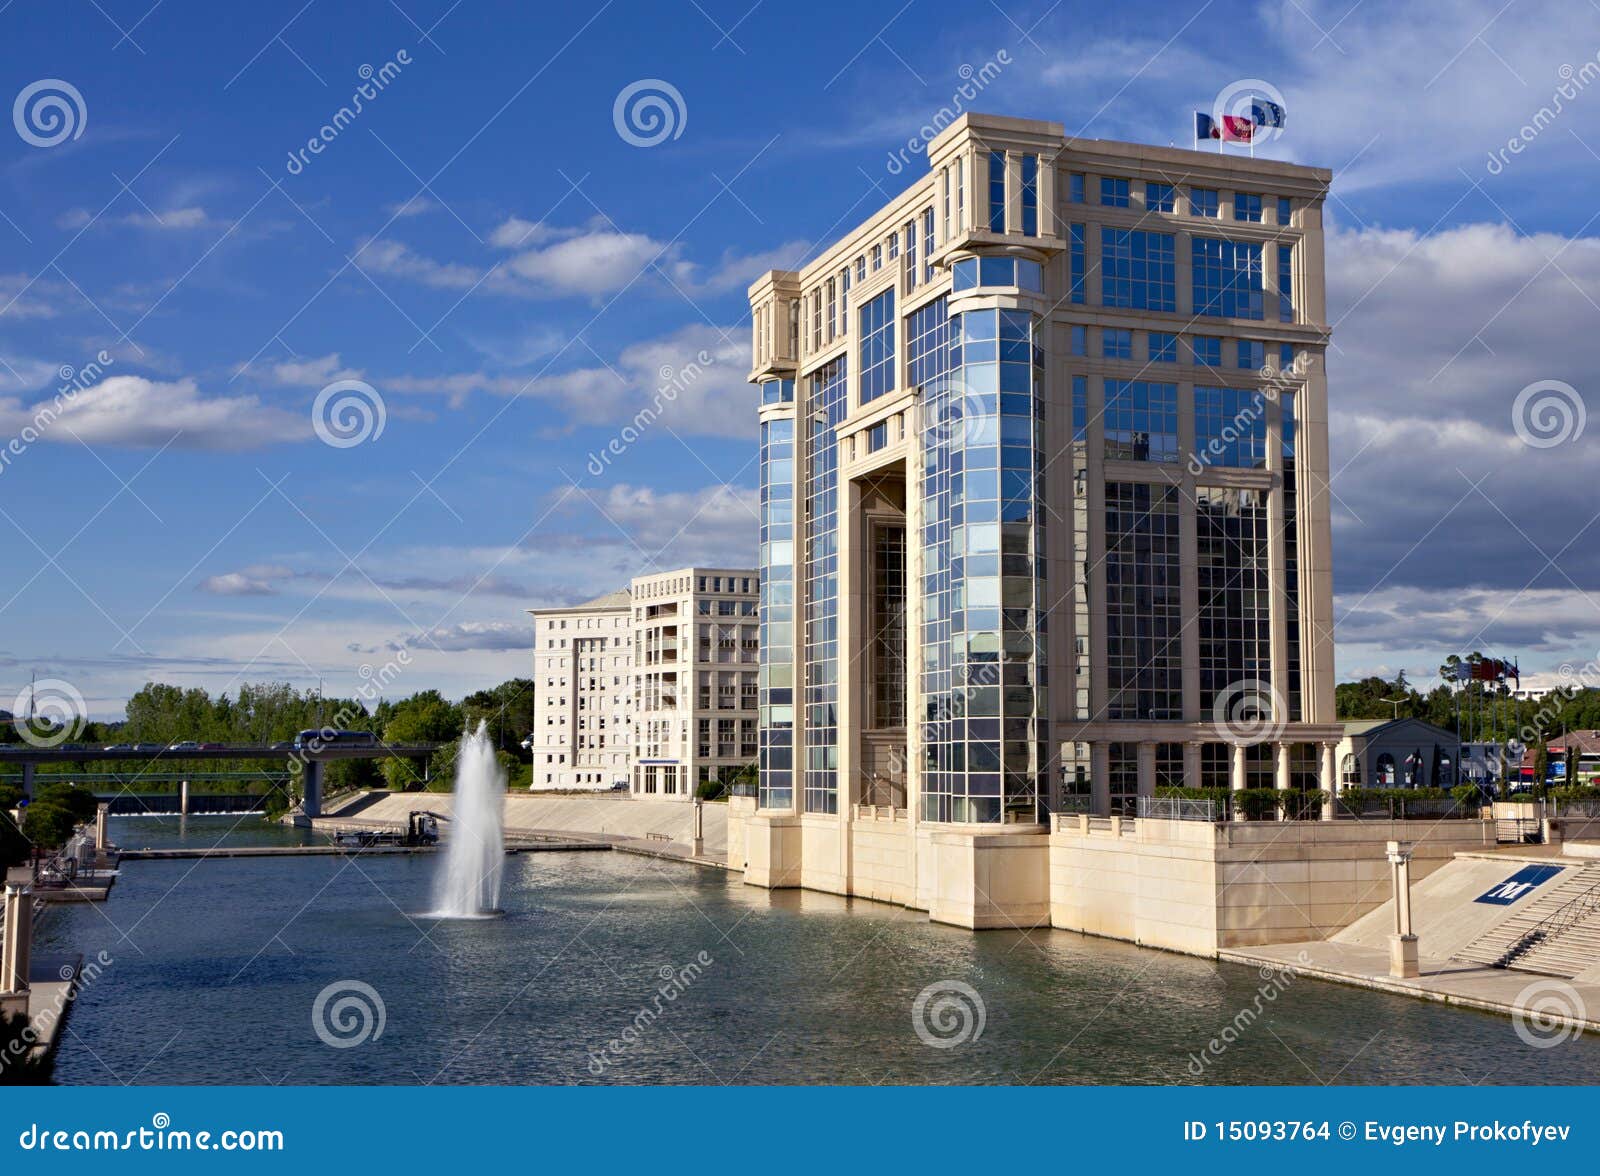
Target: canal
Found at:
614, 968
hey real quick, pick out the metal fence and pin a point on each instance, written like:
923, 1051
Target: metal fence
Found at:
1175, 808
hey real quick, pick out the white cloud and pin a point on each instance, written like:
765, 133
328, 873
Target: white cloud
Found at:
313, 372
136, 412
160, 220
666, 529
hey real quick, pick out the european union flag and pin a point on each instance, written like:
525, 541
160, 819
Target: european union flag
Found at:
1266, 113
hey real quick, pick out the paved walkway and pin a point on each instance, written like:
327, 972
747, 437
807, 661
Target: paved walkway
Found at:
1498, 990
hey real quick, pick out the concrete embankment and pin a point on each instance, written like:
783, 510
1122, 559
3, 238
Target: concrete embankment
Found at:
660, 828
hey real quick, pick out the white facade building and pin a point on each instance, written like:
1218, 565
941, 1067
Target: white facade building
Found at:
653, 686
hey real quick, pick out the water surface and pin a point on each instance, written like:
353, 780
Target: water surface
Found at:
217, 965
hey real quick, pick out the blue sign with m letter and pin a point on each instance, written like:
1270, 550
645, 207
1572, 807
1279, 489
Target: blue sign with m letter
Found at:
1514, 887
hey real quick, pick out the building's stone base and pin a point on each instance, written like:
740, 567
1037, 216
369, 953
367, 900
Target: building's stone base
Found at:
1185, 886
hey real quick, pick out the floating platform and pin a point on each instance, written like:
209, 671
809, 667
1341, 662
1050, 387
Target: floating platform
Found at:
268, 851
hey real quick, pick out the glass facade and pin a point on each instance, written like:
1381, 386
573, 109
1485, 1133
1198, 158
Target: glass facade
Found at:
825, 408
984, 735
1144, 621
1291, 557
1230, 427
877, 347
776, 676
1234, 623
1227, 278
1138, 269
1141, 420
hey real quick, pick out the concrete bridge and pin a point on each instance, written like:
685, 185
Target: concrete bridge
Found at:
308, 761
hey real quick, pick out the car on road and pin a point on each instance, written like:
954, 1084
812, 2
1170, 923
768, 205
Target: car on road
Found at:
186, 745
117, 747
212, 746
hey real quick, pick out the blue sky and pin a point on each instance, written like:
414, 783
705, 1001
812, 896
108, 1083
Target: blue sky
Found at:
512, 277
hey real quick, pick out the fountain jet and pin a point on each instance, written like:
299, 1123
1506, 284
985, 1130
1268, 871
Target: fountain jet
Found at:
469, 885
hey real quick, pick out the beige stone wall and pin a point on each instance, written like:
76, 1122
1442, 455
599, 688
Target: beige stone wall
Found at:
739, 810
881, 859
1195, 887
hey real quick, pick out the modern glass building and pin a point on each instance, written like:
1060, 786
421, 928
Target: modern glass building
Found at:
1044, 495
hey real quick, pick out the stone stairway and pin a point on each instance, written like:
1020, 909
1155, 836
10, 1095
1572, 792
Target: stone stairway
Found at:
1557, 934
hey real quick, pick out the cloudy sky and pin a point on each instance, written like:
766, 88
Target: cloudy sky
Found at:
513, 278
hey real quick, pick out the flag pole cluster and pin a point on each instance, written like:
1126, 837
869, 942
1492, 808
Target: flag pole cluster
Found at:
1235, 128
1488, 669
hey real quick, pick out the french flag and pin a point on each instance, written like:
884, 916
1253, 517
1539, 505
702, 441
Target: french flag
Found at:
1229, 128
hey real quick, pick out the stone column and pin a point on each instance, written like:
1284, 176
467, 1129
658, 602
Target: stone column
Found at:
1147, 769
183, 797
1240, 777
1100, 778
311, 802
1329, 780
1193, 764
17, 945
697, 843
102, 813
1282, 780
1402, 944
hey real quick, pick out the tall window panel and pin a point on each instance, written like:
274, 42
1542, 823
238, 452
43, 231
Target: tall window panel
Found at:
1286, 283
877, 347
776, 675
1291, 558
1138, 269
997, 191
1076, 259
888, 626
985, 738
1144, 621
1030, 195
1227, 278
1234, 622
1141, 420
825, 408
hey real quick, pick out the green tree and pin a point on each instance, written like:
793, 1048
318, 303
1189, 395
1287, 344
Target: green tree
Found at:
426, 717
48, 825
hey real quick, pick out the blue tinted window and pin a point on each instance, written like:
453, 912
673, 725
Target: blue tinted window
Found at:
1285, 356
996, 271
1227, 278
927, 244
1252, 355
997, 191
1030, 275
777, 392
1080, 336
1138, 269
1247, 206
1230, 427
927, 343
1116, 343
1030, 195
1075, 187
1286, 283
1160, 197
1208, 350
1141, 420
1075, 235
1285, 210
1203, 202
1113, 192
1163, 347
964, 274
1080, 408
877, 347
877, 436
